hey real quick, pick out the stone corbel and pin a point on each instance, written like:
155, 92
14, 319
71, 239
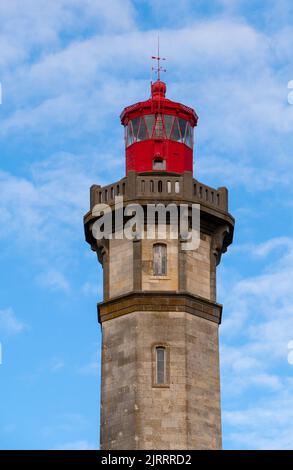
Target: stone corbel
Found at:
102, 250
218, 246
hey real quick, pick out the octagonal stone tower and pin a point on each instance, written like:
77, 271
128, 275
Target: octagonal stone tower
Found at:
160, 385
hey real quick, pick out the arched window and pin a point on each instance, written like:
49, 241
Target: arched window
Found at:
160, 259
161, 376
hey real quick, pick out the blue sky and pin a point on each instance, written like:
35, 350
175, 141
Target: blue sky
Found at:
67, 69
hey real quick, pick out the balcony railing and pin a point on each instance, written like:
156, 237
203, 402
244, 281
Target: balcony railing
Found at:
157, 187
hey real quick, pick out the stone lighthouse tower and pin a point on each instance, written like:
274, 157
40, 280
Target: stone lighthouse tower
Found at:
160, 386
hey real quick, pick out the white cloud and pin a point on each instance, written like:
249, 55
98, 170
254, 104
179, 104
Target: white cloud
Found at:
257, 328
57, 365
92, 288
68, 68
54, 280
34, 25
80, 86
42, 215
265, 249
266, 426
9, 324
93, 366
282, 245
36, 208
237, 174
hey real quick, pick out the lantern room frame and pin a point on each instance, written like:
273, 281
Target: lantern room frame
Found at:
154, 131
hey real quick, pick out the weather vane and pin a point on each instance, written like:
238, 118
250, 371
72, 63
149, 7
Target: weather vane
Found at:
159, 68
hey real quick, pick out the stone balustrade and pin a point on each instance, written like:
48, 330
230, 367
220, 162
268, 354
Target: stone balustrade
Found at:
163, 187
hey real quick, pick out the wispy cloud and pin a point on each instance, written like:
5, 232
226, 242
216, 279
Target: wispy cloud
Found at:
57, 365
38, 24
82, 85
9, 324
266, 426
255, 334
31, 203
92, 367
68, 68
54, 280
92, 288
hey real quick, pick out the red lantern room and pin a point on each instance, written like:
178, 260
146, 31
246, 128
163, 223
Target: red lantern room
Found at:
159, 134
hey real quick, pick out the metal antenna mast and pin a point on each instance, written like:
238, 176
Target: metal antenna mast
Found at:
158, 68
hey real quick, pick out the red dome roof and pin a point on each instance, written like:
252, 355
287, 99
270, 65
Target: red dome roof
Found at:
159, 103
158, 89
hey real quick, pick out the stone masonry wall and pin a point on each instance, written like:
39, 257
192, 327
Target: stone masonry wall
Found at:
203, 384
121, 267
119, 383
138, 415
198, 269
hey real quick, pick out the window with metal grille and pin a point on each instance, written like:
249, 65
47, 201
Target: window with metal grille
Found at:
159, 164
160, 259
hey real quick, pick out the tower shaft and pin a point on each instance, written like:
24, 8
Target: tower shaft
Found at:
160, 352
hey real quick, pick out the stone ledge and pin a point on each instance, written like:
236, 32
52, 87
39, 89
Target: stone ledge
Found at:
159, 301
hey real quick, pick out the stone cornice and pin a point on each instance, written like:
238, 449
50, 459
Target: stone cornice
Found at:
135, 188
159, 301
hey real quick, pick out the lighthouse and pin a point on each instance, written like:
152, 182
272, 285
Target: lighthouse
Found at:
160, 376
